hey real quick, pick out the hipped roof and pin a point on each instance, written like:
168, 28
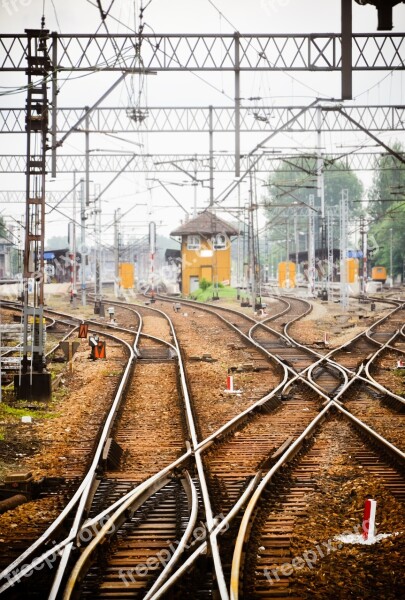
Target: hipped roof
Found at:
205, 224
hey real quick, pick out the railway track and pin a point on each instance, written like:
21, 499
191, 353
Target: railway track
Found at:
307, 503
137, 537
296, 357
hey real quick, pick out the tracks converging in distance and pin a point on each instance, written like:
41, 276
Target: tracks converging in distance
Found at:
178, 469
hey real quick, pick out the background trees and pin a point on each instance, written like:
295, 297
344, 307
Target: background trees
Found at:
386, 208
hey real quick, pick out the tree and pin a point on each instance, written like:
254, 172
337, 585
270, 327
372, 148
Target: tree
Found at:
293, 184
386, 207
289, 190
3, 232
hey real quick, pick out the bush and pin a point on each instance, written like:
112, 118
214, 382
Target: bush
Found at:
204, 284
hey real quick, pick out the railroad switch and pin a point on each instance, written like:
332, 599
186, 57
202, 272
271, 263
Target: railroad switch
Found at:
204, 358
18, 488
17, 483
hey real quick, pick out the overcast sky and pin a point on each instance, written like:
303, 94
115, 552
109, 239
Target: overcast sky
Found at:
187, 89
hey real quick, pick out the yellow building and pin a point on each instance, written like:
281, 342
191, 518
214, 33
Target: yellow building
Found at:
205, 251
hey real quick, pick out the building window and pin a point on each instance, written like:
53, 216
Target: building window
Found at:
193, 242
219, 241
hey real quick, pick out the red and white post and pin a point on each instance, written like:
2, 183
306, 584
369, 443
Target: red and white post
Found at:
370, 507
230, 387
229, 383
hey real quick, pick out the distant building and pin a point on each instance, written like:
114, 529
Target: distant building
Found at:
205, 251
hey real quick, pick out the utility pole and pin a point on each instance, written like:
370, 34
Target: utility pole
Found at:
83, 251
347, 25
311, 247
238, 248
287, 251
237, 103
34, 382
296, 244
330, 252
391, 273
211, 154
321, 195
97, 228
152, 251
363, 233
252, 262
117, 286
344, 222
72, 244
195, 184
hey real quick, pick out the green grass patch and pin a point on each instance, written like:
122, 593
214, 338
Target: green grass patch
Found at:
224, 292
14, 411
110, 373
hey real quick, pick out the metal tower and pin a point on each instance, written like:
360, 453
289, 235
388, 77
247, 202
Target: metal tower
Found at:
34, 382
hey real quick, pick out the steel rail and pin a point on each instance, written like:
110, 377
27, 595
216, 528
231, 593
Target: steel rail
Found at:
250, 338
253, 341
376, 436
219, 527
115, 520
244, 526
199, 464
84, 488
183, 542
88, 525
198, 460
80, 497
371, 378
201, 446
287, 455
86, 494
349, 343
332, 363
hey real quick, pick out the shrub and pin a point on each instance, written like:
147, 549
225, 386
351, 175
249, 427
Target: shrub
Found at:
204, 284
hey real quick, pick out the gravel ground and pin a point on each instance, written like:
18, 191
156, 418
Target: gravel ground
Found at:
201, 333
350, 570
60, 445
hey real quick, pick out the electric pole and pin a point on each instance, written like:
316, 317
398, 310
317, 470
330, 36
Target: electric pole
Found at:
83, 250
117, 286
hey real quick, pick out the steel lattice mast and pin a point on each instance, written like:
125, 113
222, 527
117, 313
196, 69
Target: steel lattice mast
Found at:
34, 382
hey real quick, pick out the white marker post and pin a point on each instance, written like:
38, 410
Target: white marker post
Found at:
370, 507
